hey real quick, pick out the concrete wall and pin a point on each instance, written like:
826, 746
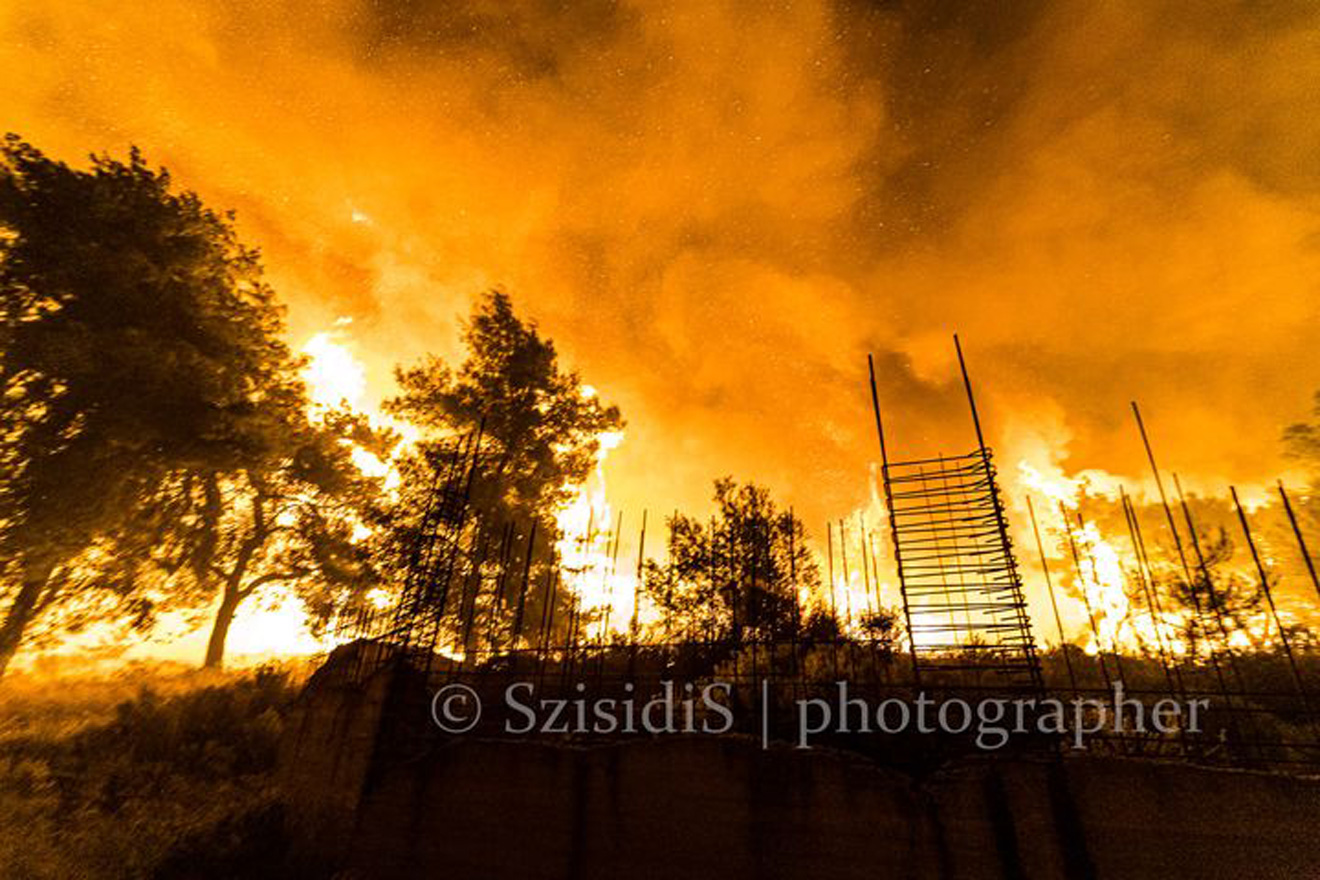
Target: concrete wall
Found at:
708, 807
682, 807
334, 741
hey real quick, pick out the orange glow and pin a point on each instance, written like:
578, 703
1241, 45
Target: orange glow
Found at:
333, 374
604, 583
717, 210
1098, 571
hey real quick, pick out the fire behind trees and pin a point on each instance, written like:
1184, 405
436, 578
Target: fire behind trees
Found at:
157, 446
156, 449
535, 432
145, 387
159, 451
737, 574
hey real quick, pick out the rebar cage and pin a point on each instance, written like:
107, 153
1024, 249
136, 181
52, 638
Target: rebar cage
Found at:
962, 592
960, 584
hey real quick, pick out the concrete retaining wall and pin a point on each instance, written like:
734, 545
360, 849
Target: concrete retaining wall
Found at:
670, 807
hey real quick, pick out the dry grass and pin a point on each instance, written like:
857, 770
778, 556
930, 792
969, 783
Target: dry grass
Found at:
156, 771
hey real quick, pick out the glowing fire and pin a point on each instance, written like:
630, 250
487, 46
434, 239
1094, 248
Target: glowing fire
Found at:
1103, 582
853, 553
333, 374
589, 548
1105, 618
276, 623
335, 377
1099, 613
1098, 571
588, 545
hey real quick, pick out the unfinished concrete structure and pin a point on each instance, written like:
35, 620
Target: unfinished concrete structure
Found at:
373, 788
369, 792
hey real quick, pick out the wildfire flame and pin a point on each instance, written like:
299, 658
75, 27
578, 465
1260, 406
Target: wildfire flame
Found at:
854, 586
277, 624
333, 373
1115, 610
588, 543
1098, 573
335, 376
588, 548
1103, 612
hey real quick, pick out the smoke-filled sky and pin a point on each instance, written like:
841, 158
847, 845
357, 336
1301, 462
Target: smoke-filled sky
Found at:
717, 211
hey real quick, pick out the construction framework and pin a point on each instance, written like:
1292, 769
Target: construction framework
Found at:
962, 592
484, 603
450, 559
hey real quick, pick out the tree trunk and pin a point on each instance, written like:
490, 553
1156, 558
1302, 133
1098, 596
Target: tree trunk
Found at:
215, 648
35, 576
233, 590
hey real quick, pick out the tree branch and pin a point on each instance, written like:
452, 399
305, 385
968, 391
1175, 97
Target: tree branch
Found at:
270, 578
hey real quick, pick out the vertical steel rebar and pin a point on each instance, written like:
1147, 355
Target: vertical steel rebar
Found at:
522, 591
1001, 521
1054, 605
1301, 541
1172, 675
1274, 611
1187, 569
1209, 585
1086, 600
893, 526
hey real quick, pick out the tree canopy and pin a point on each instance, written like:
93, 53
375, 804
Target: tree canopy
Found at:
738, 574
539, 423
539, 430
138, 343
297, 520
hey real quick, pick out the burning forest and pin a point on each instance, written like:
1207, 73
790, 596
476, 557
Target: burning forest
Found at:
629, 423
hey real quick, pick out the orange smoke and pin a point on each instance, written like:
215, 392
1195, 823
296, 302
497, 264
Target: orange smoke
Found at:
717, 210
